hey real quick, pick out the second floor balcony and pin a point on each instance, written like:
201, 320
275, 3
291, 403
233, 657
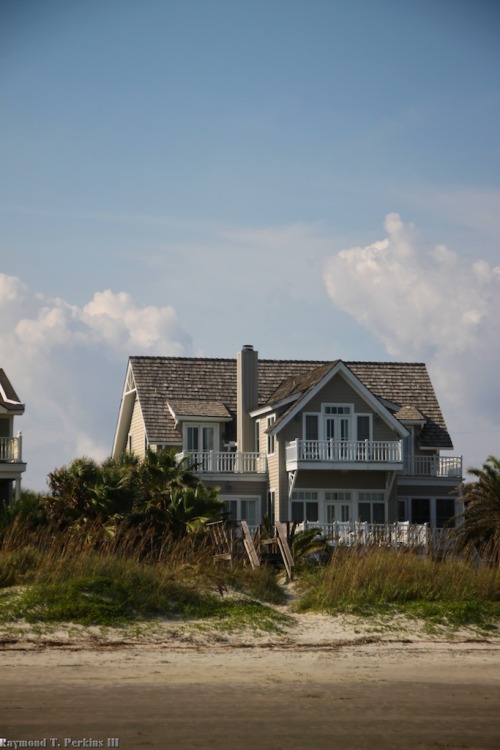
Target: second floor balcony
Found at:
225, 462
11, 449
369, 455
344, 454
11, 457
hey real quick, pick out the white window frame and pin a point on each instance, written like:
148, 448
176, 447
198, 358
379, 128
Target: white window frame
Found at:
304, 422
271, 440
238, 499
381, 499
370, 428
342, 502
257, 435
327, 414
271, 504
200, 426
314, 498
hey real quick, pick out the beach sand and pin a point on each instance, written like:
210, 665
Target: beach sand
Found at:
323, 682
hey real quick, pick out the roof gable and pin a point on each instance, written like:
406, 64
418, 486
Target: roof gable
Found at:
9, 400
312, 383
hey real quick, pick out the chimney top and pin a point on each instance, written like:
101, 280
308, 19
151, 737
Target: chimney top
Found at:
248, 346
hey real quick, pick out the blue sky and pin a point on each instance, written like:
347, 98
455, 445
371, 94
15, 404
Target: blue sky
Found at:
320, 179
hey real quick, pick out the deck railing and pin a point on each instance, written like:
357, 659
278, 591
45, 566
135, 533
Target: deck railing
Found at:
434, 466
398, 534
11, 449
348, 451
225, 462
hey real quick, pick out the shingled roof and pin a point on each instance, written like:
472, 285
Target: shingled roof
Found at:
9, 399
160, 380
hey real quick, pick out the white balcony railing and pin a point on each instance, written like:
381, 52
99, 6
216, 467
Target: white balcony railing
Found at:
11, 449
225, 462
449, 467
345, 451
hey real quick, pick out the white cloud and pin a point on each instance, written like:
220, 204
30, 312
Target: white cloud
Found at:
428, 304
67, 364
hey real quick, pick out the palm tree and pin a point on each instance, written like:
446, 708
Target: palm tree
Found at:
171, 497
480, 527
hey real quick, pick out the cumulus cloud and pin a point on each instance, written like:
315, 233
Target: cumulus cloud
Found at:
427, 303
67, 364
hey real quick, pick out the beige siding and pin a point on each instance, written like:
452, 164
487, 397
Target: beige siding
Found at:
337, 391
137, 431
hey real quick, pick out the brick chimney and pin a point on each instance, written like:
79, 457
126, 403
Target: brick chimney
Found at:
247, 396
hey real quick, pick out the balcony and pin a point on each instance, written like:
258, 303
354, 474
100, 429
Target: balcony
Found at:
225, 462
11, 449
11, 459
344, 454
447, 467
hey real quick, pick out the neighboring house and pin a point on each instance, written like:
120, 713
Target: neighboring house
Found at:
299, 440
11, 461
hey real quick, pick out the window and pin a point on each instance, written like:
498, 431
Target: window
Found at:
257, 436
199, 438
337, 409
311, 427
243, 509
445, 511
305, 506
130, 443
270, 438
402, 510
420, 510
371, 507
338, 506
271, 499
337, 429
363, 427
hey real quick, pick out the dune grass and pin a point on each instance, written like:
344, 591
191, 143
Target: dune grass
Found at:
373, 580
91, 577
109, 576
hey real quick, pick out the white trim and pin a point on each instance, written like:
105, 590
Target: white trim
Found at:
8, 400
238, 498
273, 407
125, 414
353, 503
356, 415
201, 425
203, 419
271, 439
306, 414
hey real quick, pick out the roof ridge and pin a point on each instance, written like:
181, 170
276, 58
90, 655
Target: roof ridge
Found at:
160, 357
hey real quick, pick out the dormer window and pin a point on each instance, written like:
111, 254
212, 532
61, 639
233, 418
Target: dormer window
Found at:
199, 437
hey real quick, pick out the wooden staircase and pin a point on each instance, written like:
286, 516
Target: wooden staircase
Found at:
266, 547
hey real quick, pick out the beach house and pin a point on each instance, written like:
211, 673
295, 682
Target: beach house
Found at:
316, 441
11, 449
